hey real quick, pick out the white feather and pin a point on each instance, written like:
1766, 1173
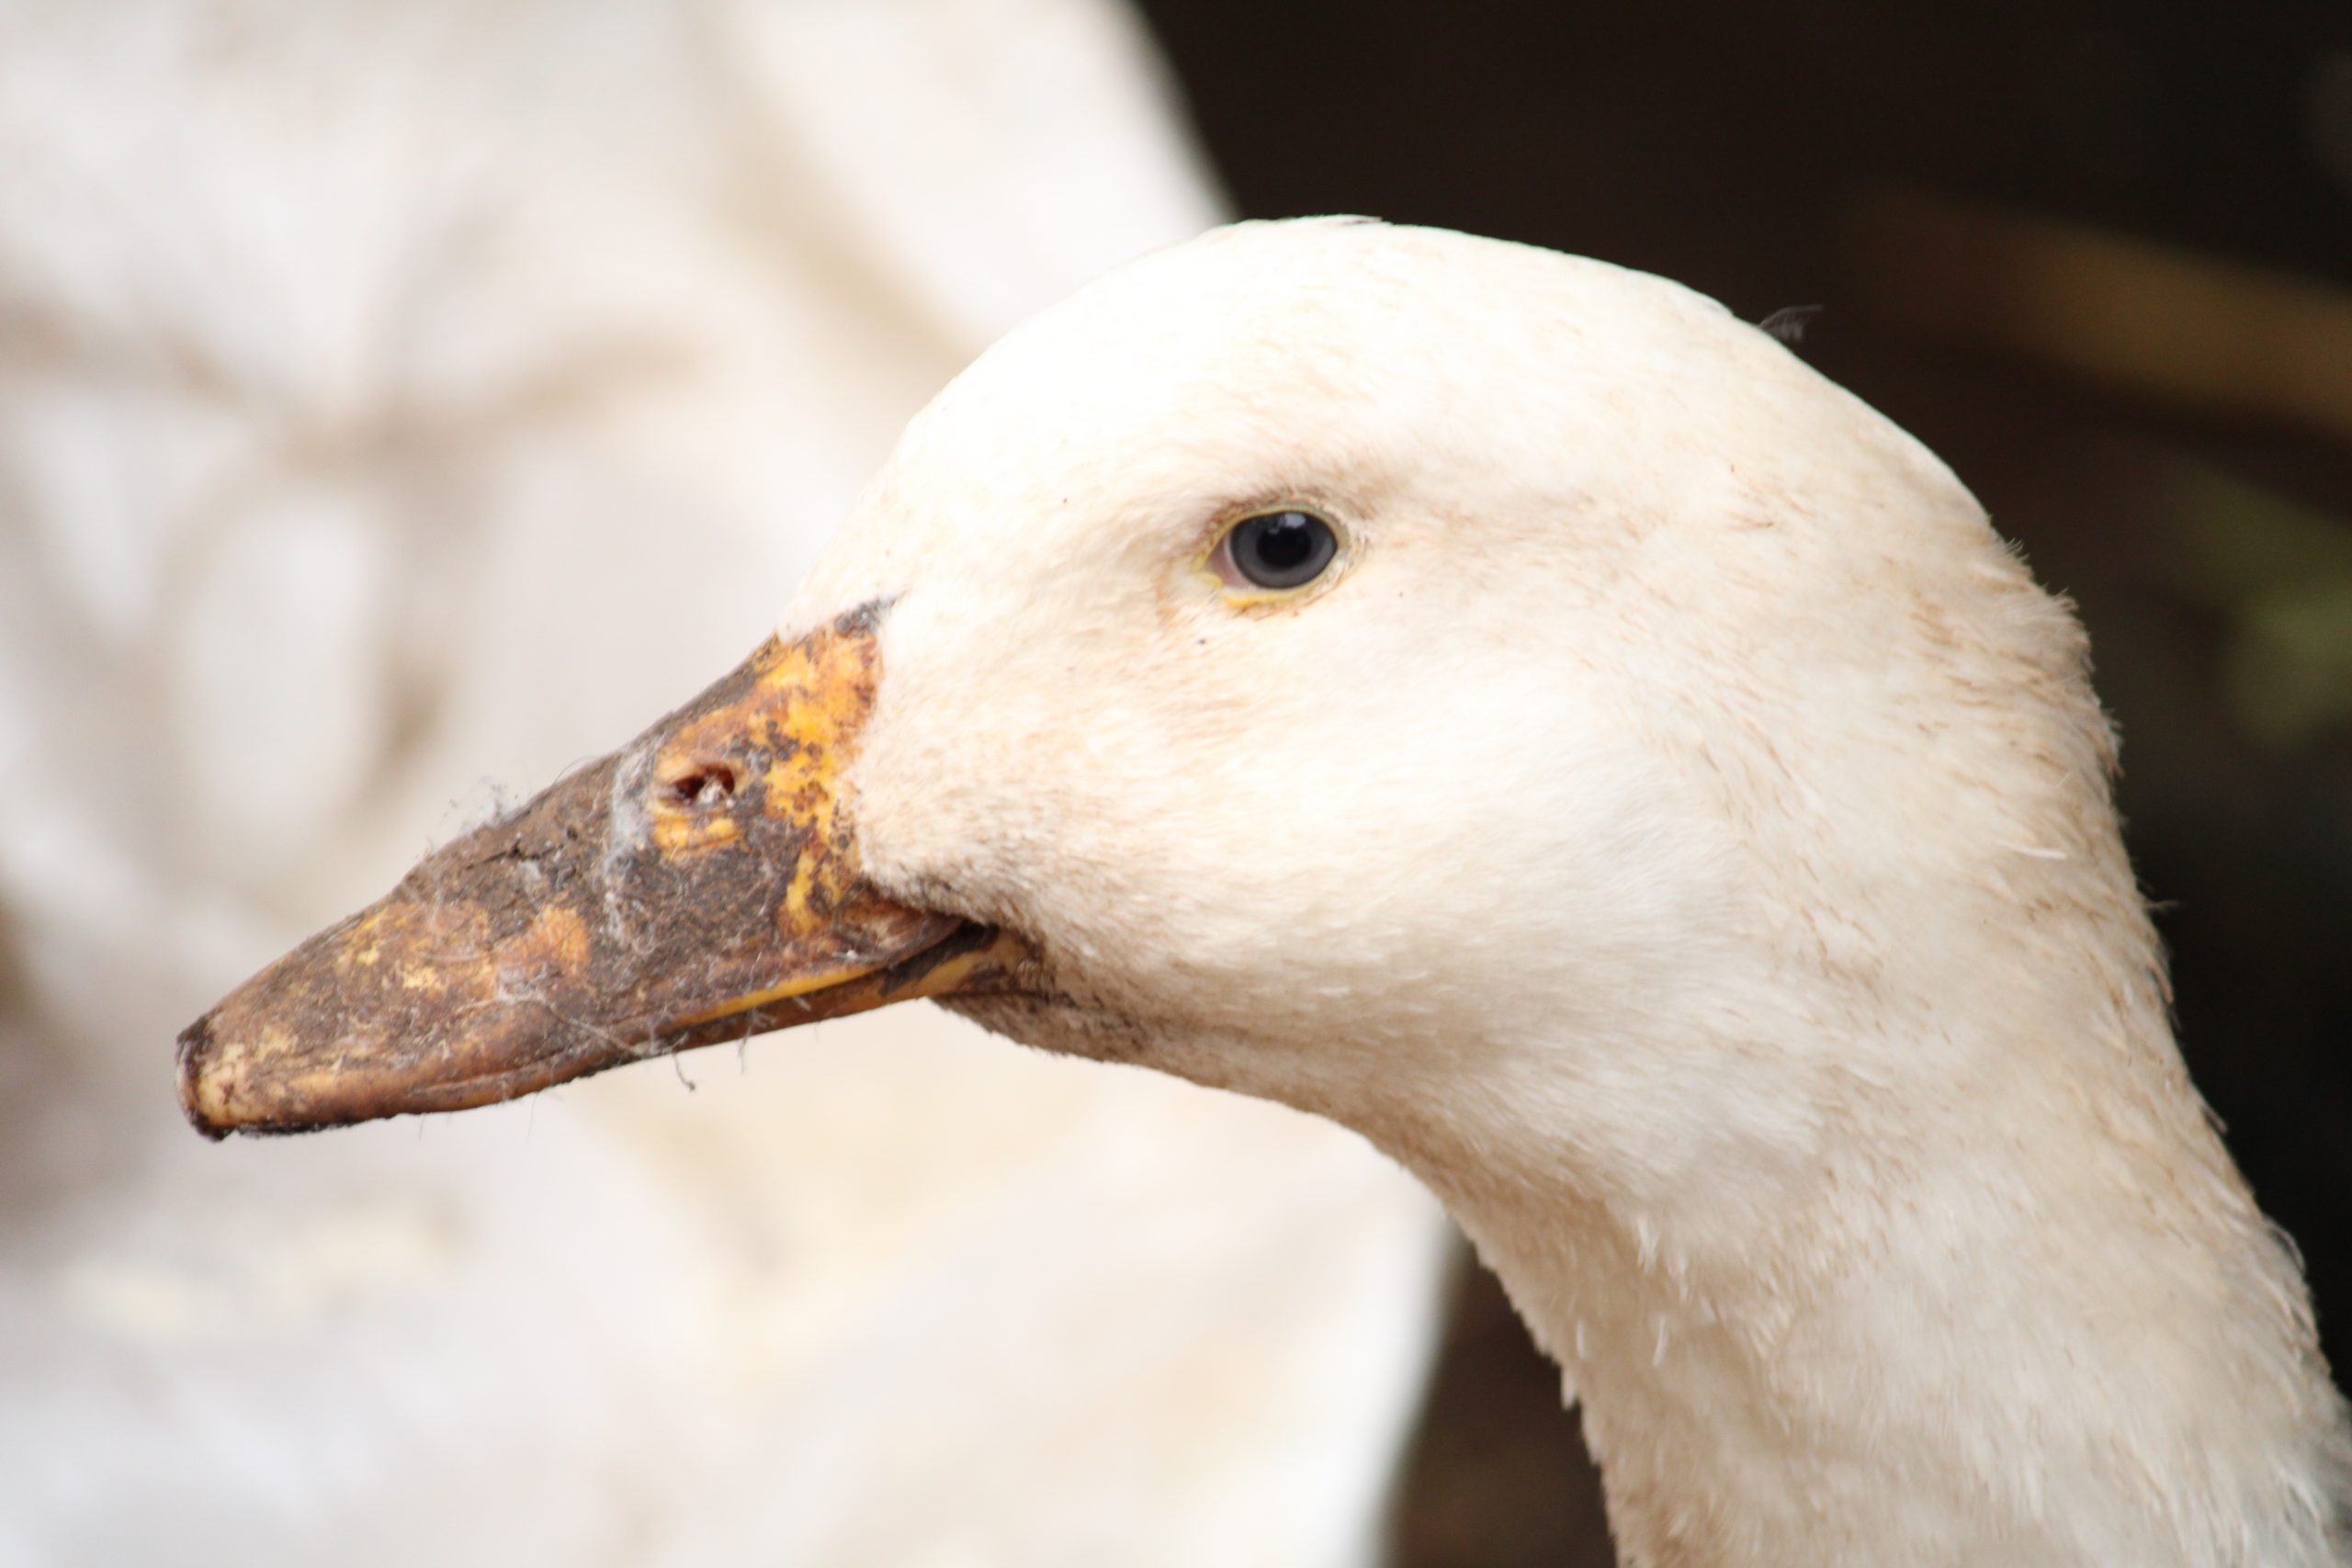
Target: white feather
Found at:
1677, 829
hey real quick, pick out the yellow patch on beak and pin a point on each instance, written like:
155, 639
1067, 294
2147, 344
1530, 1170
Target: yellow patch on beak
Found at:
702, 885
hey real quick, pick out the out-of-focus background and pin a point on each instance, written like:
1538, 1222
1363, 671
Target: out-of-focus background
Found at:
402, 399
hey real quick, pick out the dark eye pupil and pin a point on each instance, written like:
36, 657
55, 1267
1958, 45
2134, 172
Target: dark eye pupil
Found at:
1283, 549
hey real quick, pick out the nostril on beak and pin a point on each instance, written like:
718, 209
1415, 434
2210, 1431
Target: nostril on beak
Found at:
711, 785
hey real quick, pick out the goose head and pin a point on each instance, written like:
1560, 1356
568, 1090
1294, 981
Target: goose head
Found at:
1510, 706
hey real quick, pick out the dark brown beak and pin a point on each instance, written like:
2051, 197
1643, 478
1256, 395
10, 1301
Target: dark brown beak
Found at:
702, 885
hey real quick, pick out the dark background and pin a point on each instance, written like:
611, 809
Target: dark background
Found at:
2099, 257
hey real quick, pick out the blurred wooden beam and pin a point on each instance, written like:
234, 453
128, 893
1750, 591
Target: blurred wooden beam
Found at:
2148, 318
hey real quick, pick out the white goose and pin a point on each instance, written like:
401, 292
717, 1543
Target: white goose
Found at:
1509, 707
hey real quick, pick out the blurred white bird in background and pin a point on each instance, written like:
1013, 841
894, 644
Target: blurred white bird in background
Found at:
390, 389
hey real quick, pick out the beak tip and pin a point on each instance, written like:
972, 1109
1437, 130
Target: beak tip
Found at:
195, 1046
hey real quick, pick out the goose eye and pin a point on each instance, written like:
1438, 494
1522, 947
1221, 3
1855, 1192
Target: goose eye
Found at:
1276, 550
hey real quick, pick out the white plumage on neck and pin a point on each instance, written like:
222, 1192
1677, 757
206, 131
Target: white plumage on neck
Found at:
1680, 833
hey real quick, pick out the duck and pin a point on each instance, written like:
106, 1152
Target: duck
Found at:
1509, 707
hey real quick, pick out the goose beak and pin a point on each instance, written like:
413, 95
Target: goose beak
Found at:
701, 885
